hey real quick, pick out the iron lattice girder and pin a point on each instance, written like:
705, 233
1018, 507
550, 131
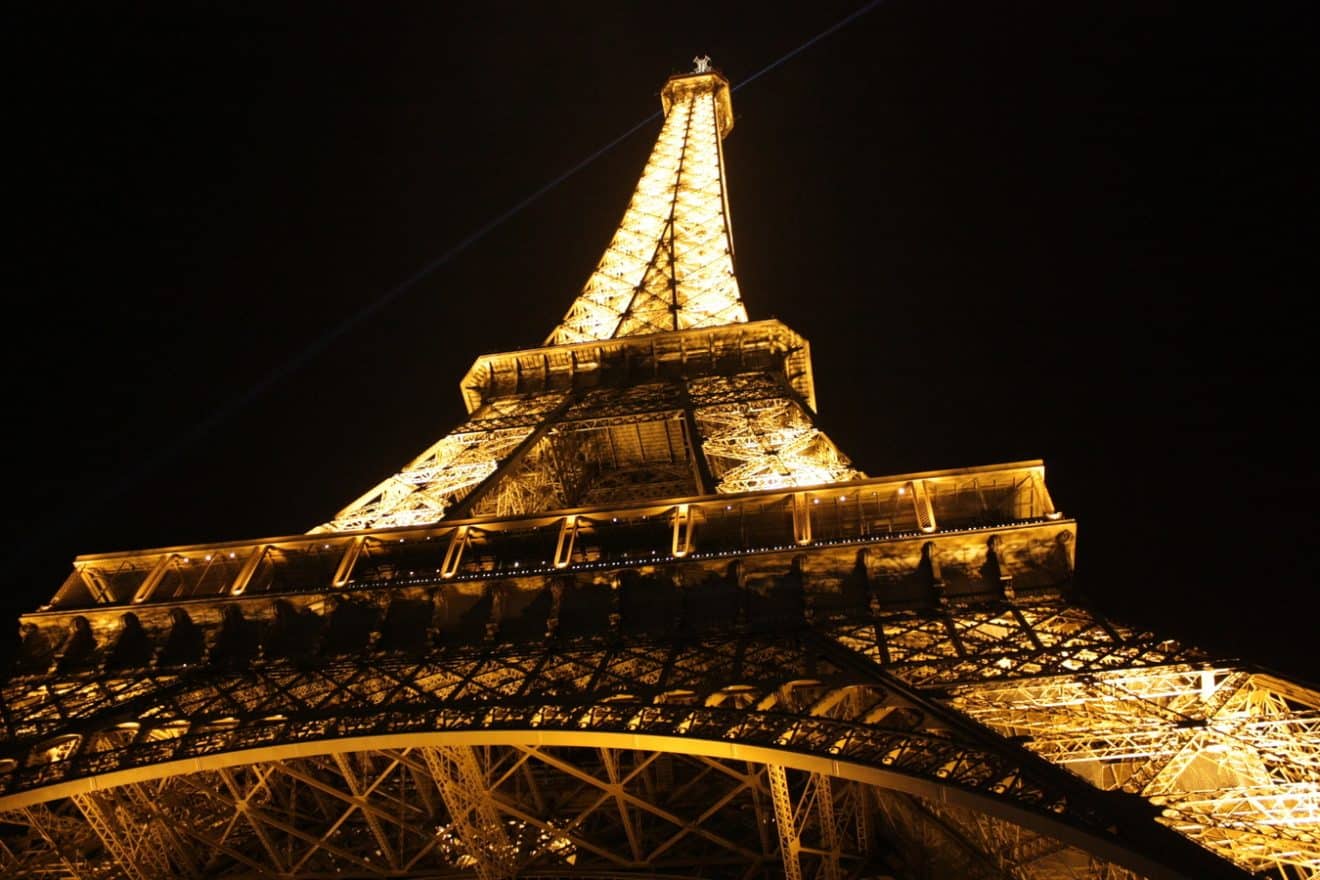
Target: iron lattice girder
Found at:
756, 436
410, 697
273, 711
670, 263
191, 713
990, 642
455, 466
758, 347
1077, 642
1232, 758
459, 778
968, 642
751, 430
559, 809
946, 840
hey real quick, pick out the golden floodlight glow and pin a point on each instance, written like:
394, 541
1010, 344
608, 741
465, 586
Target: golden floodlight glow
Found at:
1231, 757
670, 264
664, 629
668, 269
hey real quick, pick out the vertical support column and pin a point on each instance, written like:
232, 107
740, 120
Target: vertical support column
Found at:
790, 844
683, 522
995, 557
930, 557
801, 518
763, 821
132, 844
701, 471
862, 817
568, 529
458, 776
829, 832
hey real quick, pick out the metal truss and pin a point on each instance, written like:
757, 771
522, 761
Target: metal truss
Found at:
441, 476
1228, 755
1120, 708
669, 268
631, 402
1009, 640
1231, 757
509, 811
596, 459
839, 826
756, 441
483, 838
944, 840
819, 725
531, 453
670, 264
637, 617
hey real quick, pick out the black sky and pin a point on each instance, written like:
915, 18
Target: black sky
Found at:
1067, 231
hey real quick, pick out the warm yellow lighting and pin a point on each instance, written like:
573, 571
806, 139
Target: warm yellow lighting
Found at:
1226, 756
441, 476
765, 443
668, 268
670, 264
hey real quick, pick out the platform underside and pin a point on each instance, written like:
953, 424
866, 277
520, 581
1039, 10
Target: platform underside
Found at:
885, 677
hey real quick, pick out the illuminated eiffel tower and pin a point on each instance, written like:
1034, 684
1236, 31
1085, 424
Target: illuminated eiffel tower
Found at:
638, 617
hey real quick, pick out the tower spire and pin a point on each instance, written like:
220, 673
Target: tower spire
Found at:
654, 385
670, 264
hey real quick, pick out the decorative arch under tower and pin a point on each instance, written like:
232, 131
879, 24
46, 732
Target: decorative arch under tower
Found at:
637, 616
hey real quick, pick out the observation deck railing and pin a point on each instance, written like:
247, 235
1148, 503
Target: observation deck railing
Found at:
568, 540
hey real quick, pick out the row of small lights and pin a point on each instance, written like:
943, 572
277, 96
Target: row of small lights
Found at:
901, 491
412, 579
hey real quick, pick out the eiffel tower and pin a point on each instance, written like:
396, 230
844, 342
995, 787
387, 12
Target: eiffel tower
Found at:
637, 616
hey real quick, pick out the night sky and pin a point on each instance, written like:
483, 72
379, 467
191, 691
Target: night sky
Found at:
1058, 230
